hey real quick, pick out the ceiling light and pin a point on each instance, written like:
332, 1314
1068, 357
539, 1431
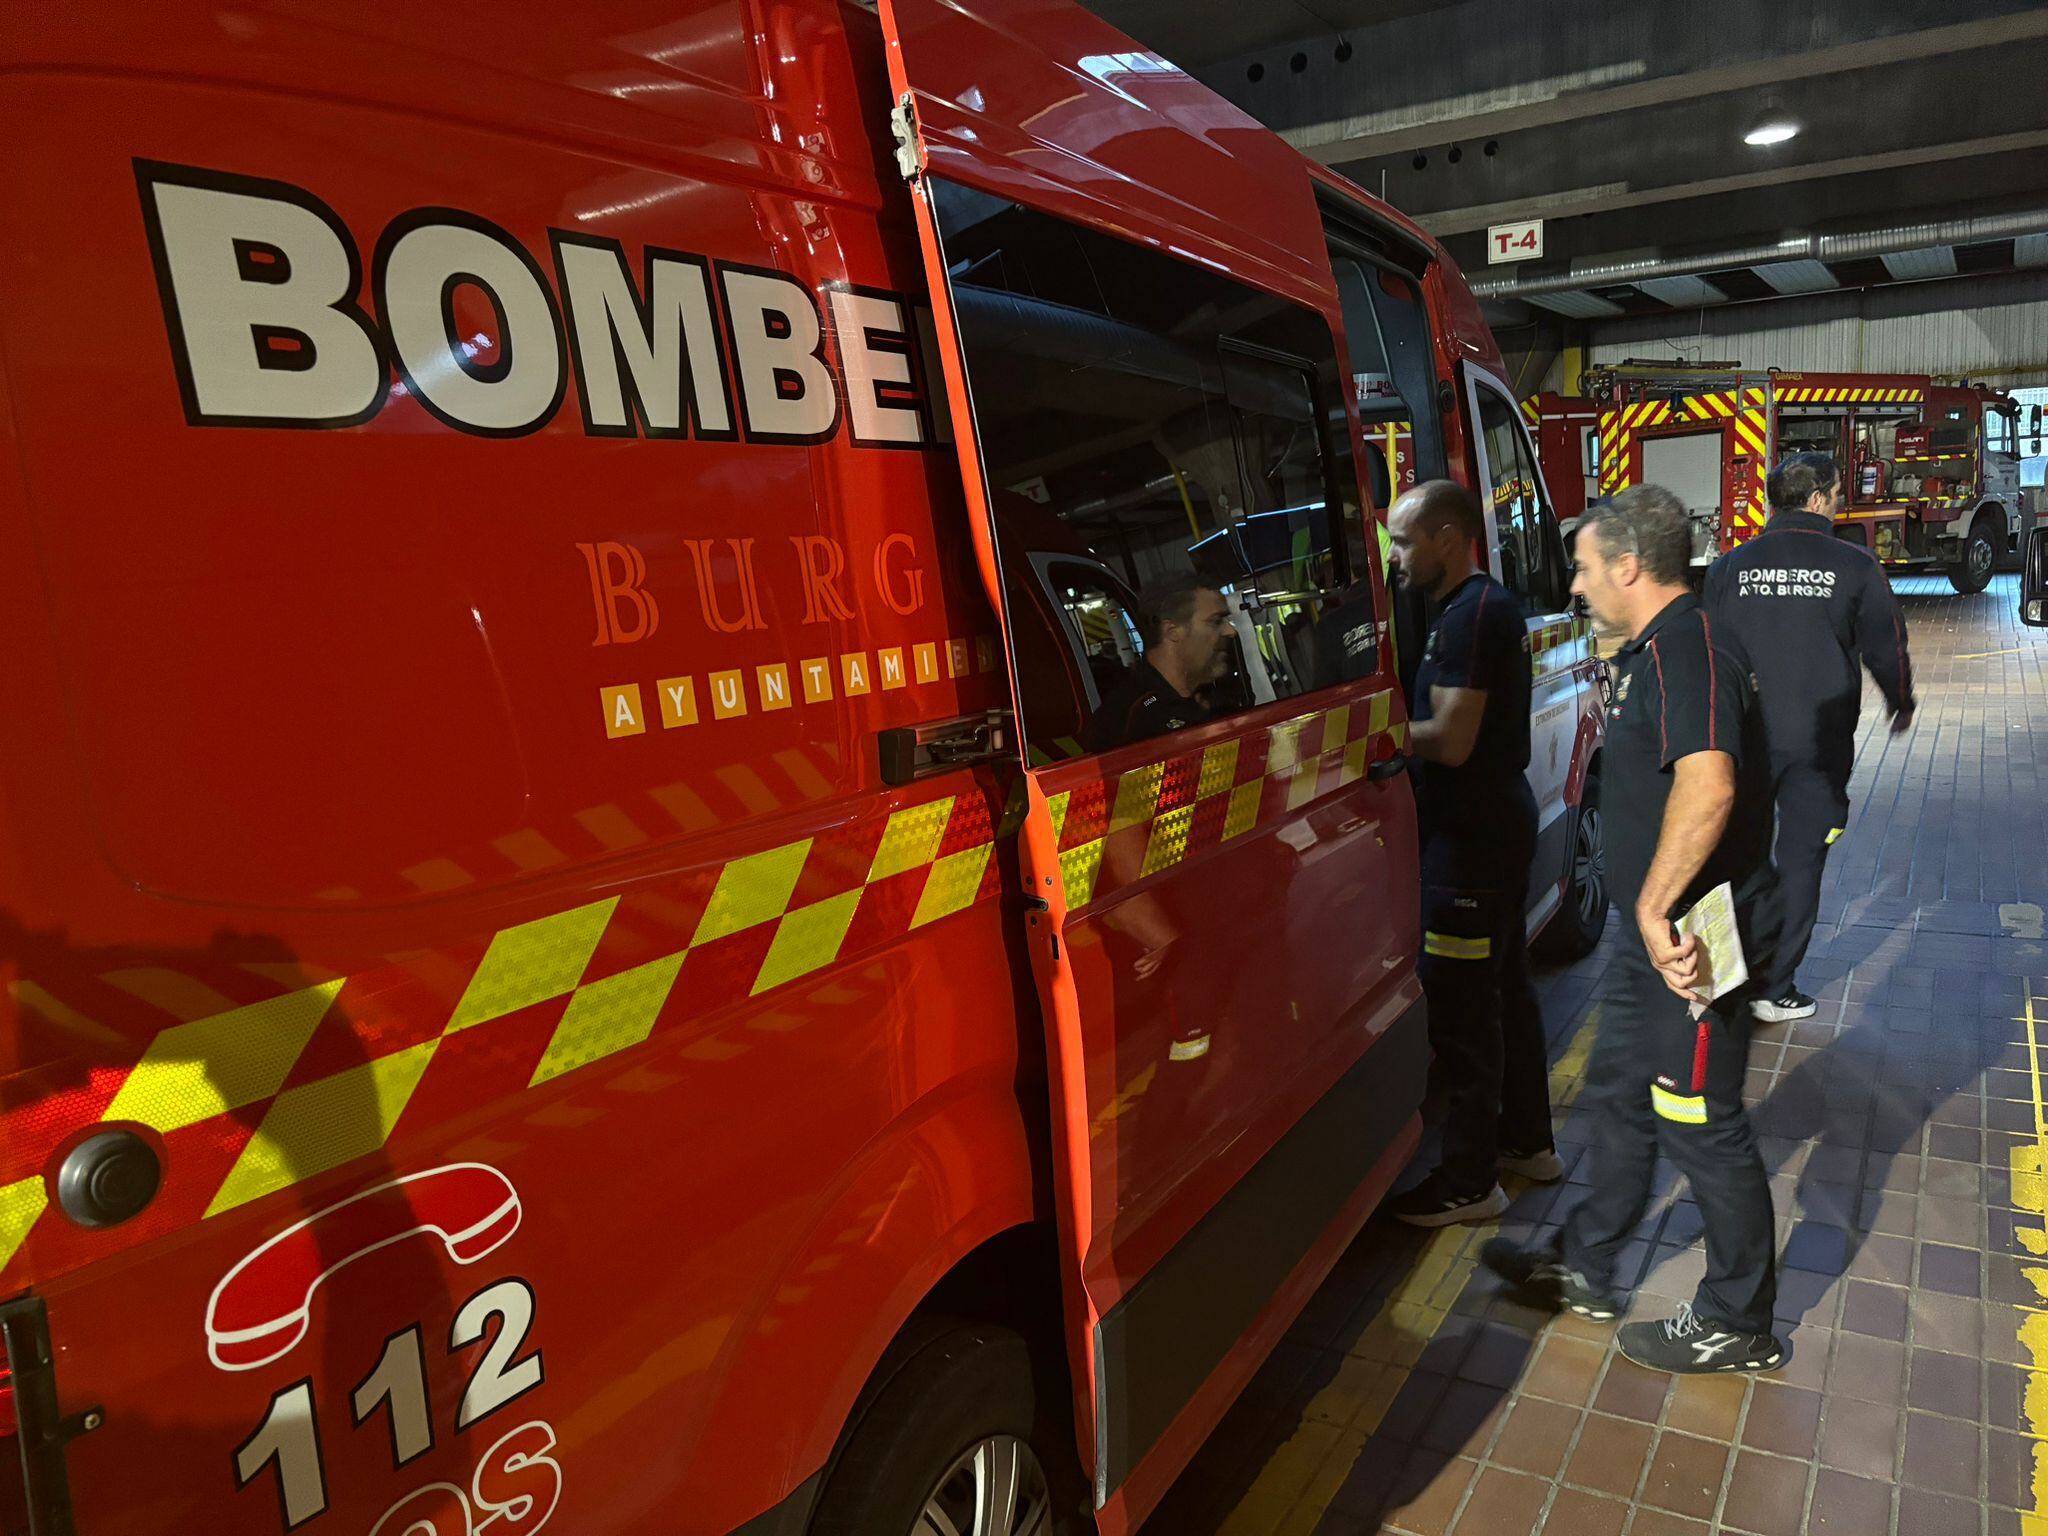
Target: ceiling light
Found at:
1771, 128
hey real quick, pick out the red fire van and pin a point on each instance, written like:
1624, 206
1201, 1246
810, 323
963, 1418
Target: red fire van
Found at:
567, 957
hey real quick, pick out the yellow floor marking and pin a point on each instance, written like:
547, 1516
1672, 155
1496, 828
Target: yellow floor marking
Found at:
1306, 1471
2030, 1193
2013, 650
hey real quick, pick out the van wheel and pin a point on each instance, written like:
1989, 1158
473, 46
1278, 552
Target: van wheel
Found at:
1576, 926
1972, 571
957, 1443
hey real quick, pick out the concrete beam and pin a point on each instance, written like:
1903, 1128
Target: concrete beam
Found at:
1610, 196
1623, 87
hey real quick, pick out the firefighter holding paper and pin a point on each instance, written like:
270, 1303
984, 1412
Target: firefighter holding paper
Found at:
1687, 802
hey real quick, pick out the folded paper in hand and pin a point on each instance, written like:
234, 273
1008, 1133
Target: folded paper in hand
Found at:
1723, 966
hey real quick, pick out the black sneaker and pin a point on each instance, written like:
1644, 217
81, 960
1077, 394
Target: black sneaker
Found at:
1687, 1346
1543, 1277
1795, 1004
1543, 1165
1432, 1203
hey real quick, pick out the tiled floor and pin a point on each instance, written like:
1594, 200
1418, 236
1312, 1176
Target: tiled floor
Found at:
1902, 1127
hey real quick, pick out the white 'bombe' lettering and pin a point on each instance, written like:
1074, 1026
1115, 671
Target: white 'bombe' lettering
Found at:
667, 338
875, 352
421, 263
260, 280
778, 347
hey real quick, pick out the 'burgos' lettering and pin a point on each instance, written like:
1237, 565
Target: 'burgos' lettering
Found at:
261, 286
1784, 581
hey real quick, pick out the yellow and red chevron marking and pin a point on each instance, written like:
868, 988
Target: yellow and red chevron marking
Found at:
1743, 413
1613, 469
1508, 490
271, 1075
1116, 830
1798, 394
1752, 432
1530, 413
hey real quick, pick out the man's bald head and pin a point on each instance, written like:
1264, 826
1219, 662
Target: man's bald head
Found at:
1437, 503
1436, 528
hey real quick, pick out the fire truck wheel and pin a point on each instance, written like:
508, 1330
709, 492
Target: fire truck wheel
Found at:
1972, 571
1576, 926
960, 1438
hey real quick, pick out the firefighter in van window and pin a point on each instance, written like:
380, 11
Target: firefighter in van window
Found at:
1471, 735
1185, 624
1811, 609
1685, 793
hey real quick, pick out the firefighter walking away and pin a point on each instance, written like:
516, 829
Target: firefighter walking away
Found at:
1808, 607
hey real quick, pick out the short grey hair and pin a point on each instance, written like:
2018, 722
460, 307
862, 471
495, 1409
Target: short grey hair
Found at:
1650, 523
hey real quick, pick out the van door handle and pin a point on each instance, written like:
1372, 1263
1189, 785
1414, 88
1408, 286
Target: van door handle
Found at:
909, 752
1386, 768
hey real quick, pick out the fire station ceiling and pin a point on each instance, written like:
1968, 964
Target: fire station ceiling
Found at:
1921, 149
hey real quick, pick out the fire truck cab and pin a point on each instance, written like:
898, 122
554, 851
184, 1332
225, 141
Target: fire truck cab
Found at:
569, 957
1930, 472
1936, 480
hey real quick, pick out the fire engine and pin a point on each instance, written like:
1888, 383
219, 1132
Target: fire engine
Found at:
566, 963
1930, 472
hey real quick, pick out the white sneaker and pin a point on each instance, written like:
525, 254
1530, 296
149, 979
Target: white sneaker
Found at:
1544, 1167
1795, 1004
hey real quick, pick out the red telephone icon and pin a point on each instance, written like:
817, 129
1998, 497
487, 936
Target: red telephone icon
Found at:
262, 1307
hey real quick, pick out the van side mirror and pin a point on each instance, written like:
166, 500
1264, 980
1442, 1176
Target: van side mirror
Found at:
2034, 579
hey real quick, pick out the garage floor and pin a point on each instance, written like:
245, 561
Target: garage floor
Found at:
1903, 1130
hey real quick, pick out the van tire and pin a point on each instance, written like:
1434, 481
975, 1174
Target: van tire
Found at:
1575, 927
1972, 570
968, 1398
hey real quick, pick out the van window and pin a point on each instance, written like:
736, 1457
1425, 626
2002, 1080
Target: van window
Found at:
1531, 553
1067, 668
1141, 418
1386, 329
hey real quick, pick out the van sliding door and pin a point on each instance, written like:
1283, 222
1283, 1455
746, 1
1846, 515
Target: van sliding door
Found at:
1137, 333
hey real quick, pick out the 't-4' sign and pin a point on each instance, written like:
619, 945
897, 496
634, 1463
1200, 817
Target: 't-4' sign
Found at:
1515, 242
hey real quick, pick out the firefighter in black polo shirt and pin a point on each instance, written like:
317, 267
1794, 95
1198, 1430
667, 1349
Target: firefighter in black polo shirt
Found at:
1186, 627
1807, 606
1471, 734
1686, 794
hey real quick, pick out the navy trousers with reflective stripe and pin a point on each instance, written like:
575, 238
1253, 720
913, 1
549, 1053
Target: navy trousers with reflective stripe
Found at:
1486, 1028
1696, 1115
1813, 807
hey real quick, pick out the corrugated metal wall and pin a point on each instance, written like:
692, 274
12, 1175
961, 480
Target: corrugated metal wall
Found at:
1991, 328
